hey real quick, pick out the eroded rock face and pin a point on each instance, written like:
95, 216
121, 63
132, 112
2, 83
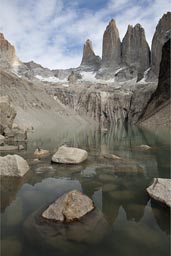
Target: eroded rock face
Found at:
69, 207
111, 55
7, 114
104, 105
13, 165
8, 57
160, 190
69, 155
162, 34
89, 58
135, 49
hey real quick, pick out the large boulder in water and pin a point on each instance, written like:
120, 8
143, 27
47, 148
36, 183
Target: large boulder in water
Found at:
160, 190
69, 207
66, 237
69, 155
13, 165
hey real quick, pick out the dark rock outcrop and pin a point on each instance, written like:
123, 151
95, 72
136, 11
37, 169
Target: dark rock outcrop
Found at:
7, 114
73, 77
162, 34
154, 110
135, 49
111, 55
90, 60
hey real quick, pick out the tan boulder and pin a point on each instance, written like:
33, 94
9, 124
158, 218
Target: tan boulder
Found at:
69, 207
160, 190
69, 155
13, 165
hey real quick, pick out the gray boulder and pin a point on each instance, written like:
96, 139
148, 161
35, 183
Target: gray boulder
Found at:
69, 207
69, 155
13, 165
160, 190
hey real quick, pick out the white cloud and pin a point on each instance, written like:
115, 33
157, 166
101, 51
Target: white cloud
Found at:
52, 32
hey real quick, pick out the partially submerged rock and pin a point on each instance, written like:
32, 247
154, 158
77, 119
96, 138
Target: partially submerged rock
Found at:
13, 165
143, 147
11, 147
160, 190
69, 155
41, 152
111, 156
69, 207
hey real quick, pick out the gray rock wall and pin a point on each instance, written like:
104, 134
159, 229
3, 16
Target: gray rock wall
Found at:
135, 49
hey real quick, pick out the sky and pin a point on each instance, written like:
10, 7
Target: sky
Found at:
52, 32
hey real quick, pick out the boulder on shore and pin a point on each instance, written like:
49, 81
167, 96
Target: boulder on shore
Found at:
69, 155
13, 165
7, 114
160, 190
2, 139
69, 207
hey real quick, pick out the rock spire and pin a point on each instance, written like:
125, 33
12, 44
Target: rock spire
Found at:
135, 49
111, 52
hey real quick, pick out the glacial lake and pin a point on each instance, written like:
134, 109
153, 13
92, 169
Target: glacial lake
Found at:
129, 223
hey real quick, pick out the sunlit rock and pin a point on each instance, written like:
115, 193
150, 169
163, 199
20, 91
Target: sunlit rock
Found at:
160, 190
69, 207
13, 165
69, 155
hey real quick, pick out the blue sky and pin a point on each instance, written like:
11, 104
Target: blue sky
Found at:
52, 32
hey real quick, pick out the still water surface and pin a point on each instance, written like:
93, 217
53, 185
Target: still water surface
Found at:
126, 221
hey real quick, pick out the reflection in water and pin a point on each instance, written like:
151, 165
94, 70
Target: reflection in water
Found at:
118, 188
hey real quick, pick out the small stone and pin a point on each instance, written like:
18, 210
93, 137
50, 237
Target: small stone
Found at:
111, 156
143, 147
41, 152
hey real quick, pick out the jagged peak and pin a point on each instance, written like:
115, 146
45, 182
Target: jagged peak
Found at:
88, 43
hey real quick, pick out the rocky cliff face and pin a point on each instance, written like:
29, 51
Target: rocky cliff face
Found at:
90, 60
135, 49
162, 34
157, 110
104, 105
111, 54
8, 57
